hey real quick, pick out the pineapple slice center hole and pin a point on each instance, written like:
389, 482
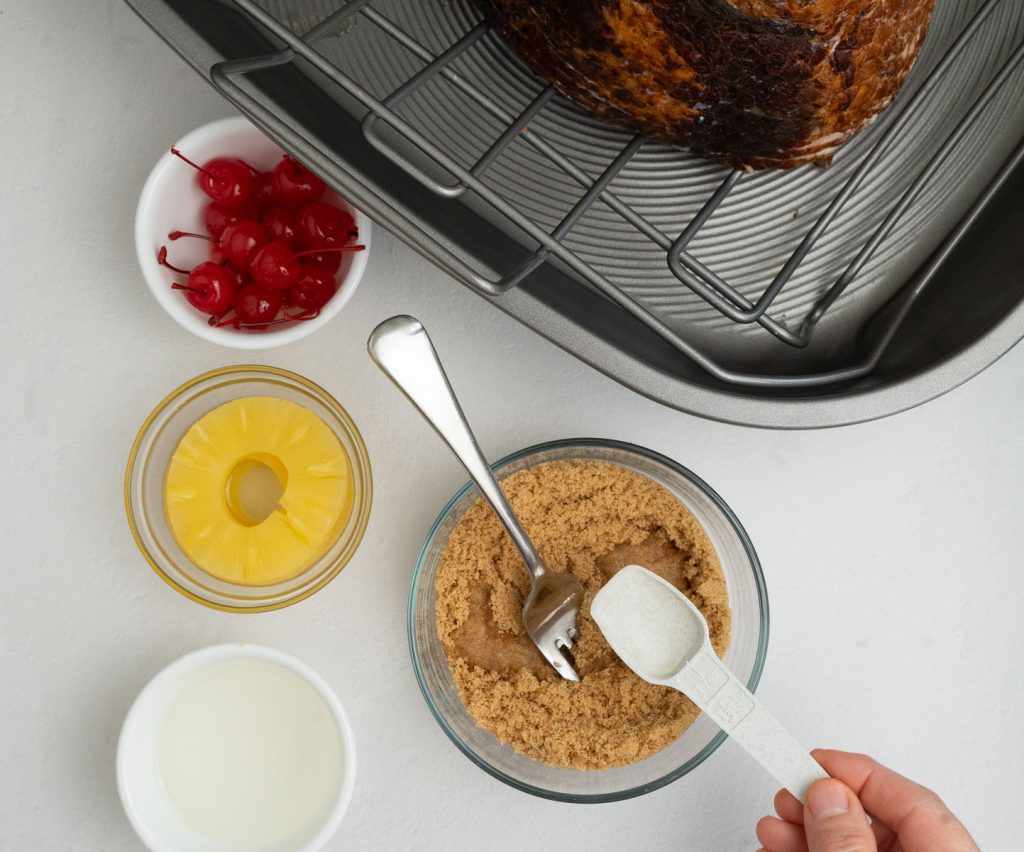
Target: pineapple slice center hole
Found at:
254, 488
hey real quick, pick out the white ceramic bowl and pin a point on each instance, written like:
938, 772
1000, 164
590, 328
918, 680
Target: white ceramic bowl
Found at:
146, 802
171, 200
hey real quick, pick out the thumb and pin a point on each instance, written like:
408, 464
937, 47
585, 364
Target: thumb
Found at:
835, 821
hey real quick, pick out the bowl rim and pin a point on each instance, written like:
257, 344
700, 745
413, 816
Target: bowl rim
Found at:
363, 462
192, 661
763, 611
171, 303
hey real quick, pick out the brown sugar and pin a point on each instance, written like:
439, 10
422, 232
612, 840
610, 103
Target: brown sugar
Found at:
590, 518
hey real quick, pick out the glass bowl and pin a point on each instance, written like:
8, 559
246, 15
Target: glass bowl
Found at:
156, 442
745, 657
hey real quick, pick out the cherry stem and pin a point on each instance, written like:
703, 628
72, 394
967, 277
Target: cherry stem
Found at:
184, 287
302, 317
196, 166
234, 323
325, 250
177, 235
161, 258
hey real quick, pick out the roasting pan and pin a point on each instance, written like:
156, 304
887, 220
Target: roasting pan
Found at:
803, 298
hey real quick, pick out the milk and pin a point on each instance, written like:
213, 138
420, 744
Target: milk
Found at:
249, 754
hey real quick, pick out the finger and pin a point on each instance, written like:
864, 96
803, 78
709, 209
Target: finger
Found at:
834, 819
789, 807
884, 836
910, 810
852, 769
779, 836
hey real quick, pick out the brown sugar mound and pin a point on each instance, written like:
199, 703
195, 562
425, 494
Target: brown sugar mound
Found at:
590, 518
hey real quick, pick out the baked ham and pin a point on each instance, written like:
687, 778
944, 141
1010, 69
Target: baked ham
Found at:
755, 83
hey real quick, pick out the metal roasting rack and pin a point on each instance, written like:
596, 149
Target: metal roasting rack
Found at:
432, 162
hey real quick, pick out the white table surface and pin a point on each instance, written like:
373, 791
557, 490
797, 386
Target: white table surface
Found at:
891, 549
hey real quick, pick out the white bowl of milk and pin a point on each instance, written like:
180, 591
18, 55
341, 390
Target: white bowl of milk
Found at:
232, 748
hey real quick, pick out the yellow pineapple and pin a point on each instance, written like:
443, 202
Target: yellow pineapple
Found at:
257, 490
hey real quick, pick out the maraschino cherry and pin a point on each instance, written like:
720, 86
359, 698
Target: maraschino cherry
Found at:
255, 305
276, 265
228, 182
240, 277
242, 240
238, 242
283, 222
296, 184
314, 288
210, 287
322, 257
217, 217
323, 225
263, 189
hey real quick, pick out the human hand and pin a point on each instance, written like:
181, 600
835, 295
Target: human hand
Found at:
905, 817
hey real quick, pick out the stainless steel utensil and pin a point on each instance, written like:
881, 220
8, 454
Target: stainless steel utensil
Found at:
403, 350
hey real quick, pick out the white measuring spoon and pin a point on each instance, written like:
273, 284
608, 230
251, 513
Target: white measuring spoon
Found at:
663, 637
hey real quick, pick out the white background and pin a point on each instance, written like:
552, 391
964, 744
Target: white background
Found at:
892, 550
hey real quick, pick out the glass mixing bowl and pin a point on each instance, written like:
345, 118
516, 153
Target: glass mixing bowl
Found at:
156, 442
748, 646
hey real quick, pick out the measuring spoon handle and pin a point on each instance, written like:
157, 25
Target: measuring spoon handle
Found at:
717, 692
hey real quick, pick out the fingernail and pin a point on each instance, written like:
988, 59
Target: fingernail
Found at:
827, 799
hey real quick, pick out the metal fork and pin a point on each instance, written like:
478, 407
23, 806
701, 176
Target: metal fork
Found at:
402, 349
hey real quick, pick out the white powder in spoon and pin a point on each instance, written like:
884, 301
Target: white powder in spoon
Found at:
648, 622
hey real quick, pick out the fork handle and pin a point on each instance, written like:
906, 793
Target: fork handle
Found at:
402, 349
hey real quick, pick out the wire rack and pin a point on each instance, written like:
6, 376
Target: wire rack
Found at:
432, 162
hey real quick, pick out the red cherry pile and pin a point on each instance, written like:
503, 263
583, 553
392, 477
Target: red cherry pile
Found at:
274, 245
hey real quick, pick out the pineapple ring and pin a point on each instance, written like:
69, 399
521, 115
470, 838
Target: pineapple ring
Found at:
257, 490
255, 487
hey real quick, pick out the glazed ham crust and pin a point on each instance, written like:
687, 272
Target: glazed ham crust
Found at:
755, 83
